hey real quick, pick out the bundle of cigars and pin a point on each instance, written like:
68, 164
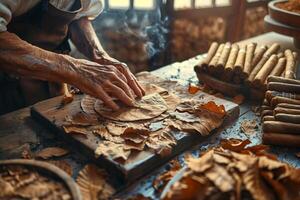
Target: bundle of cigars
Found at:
248, 65
281, 112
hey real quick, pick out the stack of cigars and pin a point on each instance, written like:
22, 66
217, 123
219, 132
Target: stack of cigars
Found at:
249, 64
281, 112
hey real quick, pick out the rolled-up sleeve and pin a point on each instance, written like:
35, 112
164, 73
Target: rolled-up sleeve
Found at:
90, 9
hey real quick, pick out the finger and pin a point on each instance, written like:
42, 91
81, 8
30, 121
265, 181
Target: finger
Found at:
120, 83
133, 84
106, 99
119, 93
140, 87
120, 71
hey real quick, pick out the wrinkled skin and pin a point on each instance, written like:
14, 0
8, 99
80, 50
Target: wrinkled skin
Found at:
103, 77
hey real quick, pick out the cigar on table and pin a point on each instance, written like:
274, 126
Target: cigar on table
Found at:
268, 118
250, 49
279, 68
258, 55
230, 63
281, 127
273, 49
282, 80
290, 69
284, 117
277, 100
266, 69
281, 139
279, 110
287, 105
210, 54
223, 58
280, 55
214, 60
284, 87
266, 113
240, 60
269, 95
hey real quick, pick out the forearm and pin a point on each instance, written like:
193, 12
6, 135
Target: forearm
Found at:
85, 39
23, 59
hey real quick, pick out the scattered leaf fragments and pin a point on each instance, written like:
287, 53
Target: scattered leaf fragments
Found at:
193, 89
51, 152
92, 182
235, 171
213, 107
239, 99
19, 182
249, 127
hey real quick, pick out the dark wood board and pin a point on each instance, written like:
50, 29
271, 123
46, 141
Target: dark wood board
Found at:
49, 114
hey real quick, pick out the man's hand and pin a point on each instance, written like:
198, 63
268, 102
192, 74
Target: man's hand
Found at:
123, 68
105, 82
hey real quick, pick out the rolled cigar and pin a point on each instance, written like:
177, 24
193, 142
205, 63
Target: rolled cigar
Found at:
266, 113
287, 105
248, 59
283, 73
290, 68
284, 87
230, 62
280, 127
261, 76
282, 80
273, 49
277, 100
264, 107
291, 111
280, 55
279, 68
210, 54
214, 60
223, 57
271, 94
268, 118
240, 60
258, 55
281, 139
284, 117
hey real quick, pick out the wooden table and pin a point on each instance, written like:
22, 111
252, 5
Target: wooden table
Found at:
18, 131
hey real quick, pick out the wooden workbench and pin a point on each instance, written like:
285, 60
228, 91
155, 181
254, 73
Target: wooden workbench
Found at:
18, 131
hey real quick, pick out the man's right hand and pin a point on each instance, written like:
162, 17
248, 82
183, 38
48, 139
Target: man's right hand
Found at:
101, 81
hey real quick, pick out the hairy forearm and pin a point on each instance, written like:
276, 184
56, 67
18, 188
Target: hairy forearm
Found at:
85, 39
23, 59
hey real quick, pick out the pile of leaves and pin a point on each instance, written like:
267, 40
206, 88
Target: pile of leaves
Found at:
235, 171
148, 125
19, 182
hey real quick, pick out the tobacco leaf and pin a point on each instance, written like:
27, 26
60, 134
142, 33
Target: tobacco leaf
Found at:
76, 130
155, 126
249, 126
135, 135
193, 89
62, 164
148, 107
239, 99
234, 144
184, 116
161, 142
152, 88
116, 129
51, 152
171, 100
87, 105
130, 145
93, 184
6, 188
112, 150
213, 107
81, 119
106, 135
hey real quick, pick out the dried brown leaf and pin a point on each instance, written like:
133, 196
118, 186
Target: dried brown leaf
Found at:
235, 145
81, 119
62, 164
93, 184
103, 133
161, 142
51, 152
87, 105
112, 150
249, 126
185, 116
67, 98
76, 130
239, 99
148, 107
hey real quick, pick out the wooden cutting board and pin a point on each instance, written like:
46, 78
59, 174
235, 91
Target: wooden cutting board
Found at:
51, 115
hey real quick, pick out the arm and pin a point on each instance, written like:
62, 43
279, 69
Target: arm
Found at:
85, 39
23, 59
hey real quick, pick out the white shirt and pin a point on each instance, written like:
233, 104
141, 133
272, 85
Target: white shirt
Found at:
13, 8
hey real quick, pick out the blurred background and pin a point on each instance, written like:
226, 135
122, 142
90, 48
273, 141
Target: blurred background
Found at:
148, 34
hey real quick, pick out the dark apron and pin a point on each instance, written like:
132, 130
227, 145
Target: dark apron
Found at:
44, 26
